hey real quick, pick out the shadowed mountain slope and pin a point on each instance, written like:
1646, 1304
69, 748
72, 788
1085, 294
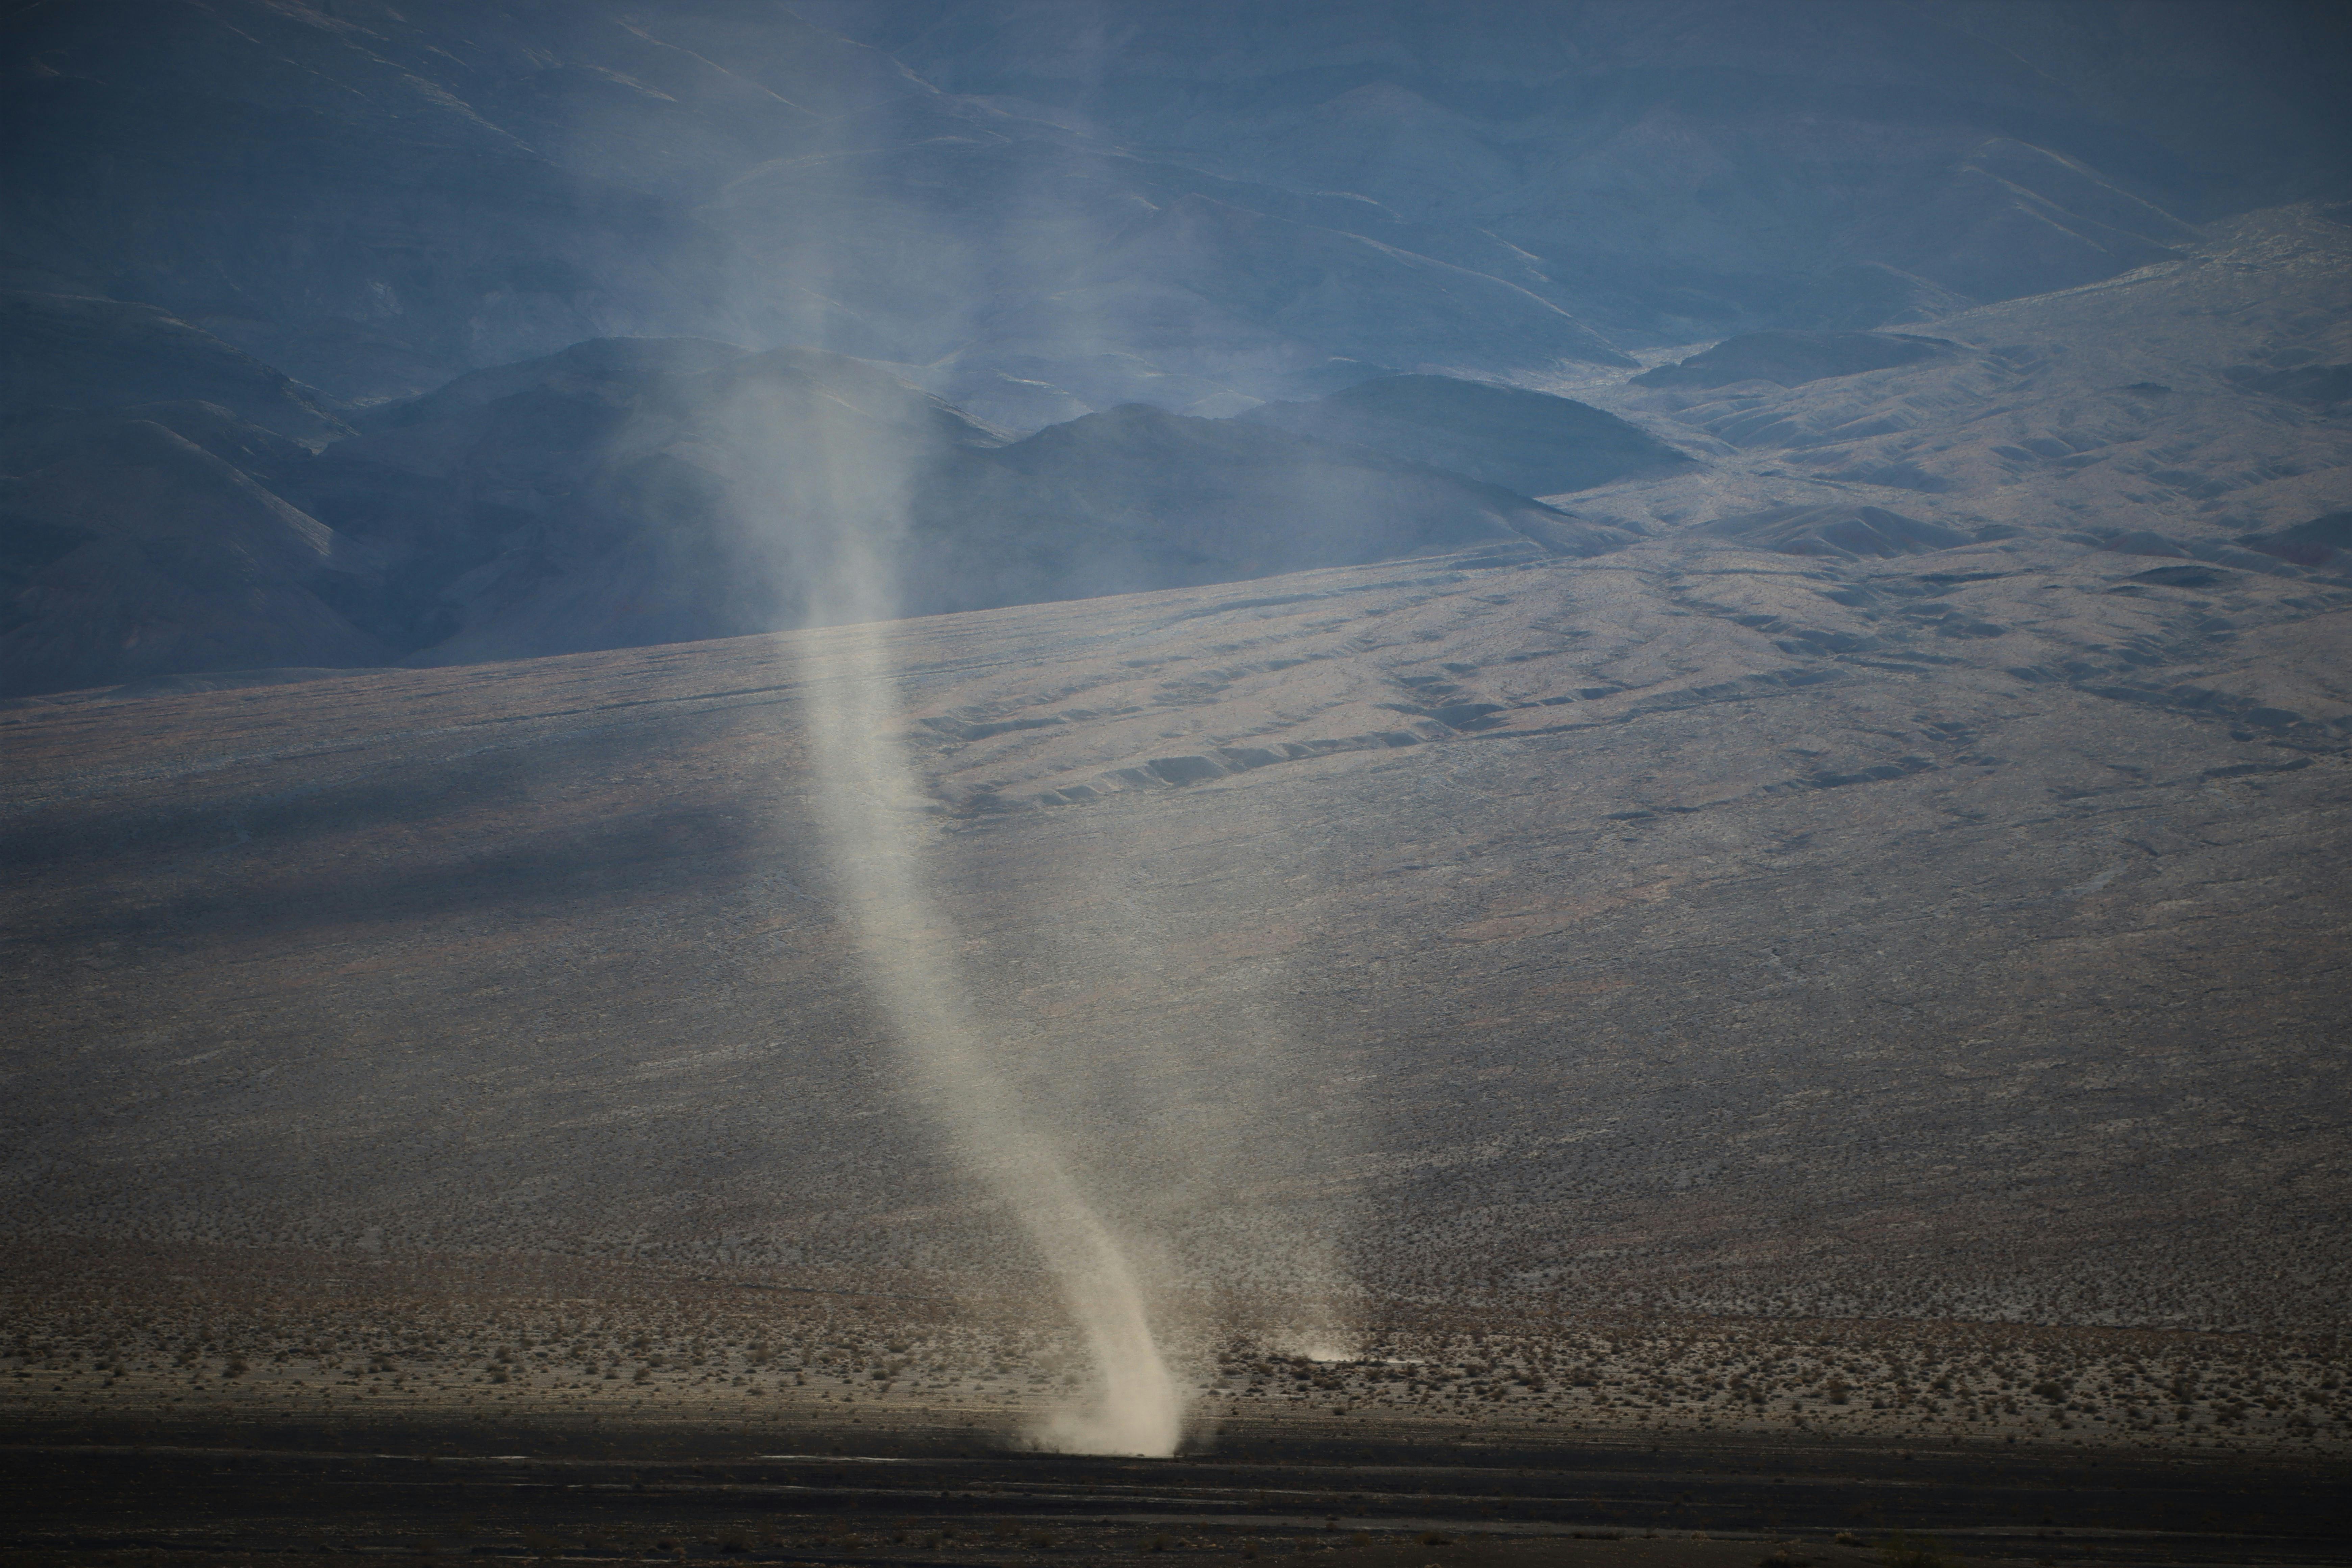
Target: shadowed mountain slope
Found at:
633, 492
2323, 541
645, 498
1135, 498
134, 552
62, 354
1522, 440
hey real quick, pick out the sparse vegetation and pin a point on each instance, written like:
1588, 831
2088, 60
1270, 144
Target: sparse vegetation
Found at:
186, 1329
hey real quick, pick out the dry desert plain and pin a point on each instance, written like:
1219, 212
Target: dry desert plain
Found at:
1837, 1009
1852, 981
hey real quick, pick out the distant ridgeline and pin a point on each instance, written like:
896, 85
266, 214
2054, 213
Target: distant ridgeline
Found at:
1262, 288
632, 491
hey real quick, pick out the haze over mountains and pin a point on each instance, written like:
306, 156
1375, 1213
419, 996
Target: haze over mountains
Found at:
265, 260
1688, 653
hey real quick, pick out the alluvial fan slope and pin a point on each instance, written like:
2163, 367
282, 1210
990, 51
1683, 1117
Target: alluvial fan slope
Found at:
1697, 925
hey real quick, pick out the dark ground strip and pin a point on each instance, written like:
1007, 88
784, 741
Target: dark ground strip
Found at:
433, 1492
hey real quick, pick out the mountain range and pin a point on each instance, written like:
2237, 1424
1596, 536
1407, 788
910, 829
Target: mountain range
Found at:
343, 335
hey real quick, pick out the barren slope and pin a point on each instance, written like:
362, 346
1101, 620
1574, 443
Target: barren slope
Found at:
2198, 399
1943, 934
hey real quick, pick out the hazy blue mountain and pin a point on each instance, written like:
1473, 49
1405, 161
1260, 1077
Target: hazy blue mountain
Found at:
631, 492
1691, 168
1171, 200
133, 551
568, 272
63, 353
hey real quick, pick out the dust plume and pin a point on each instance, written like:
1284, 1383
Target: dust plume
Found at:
850, 489
1144, 1185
